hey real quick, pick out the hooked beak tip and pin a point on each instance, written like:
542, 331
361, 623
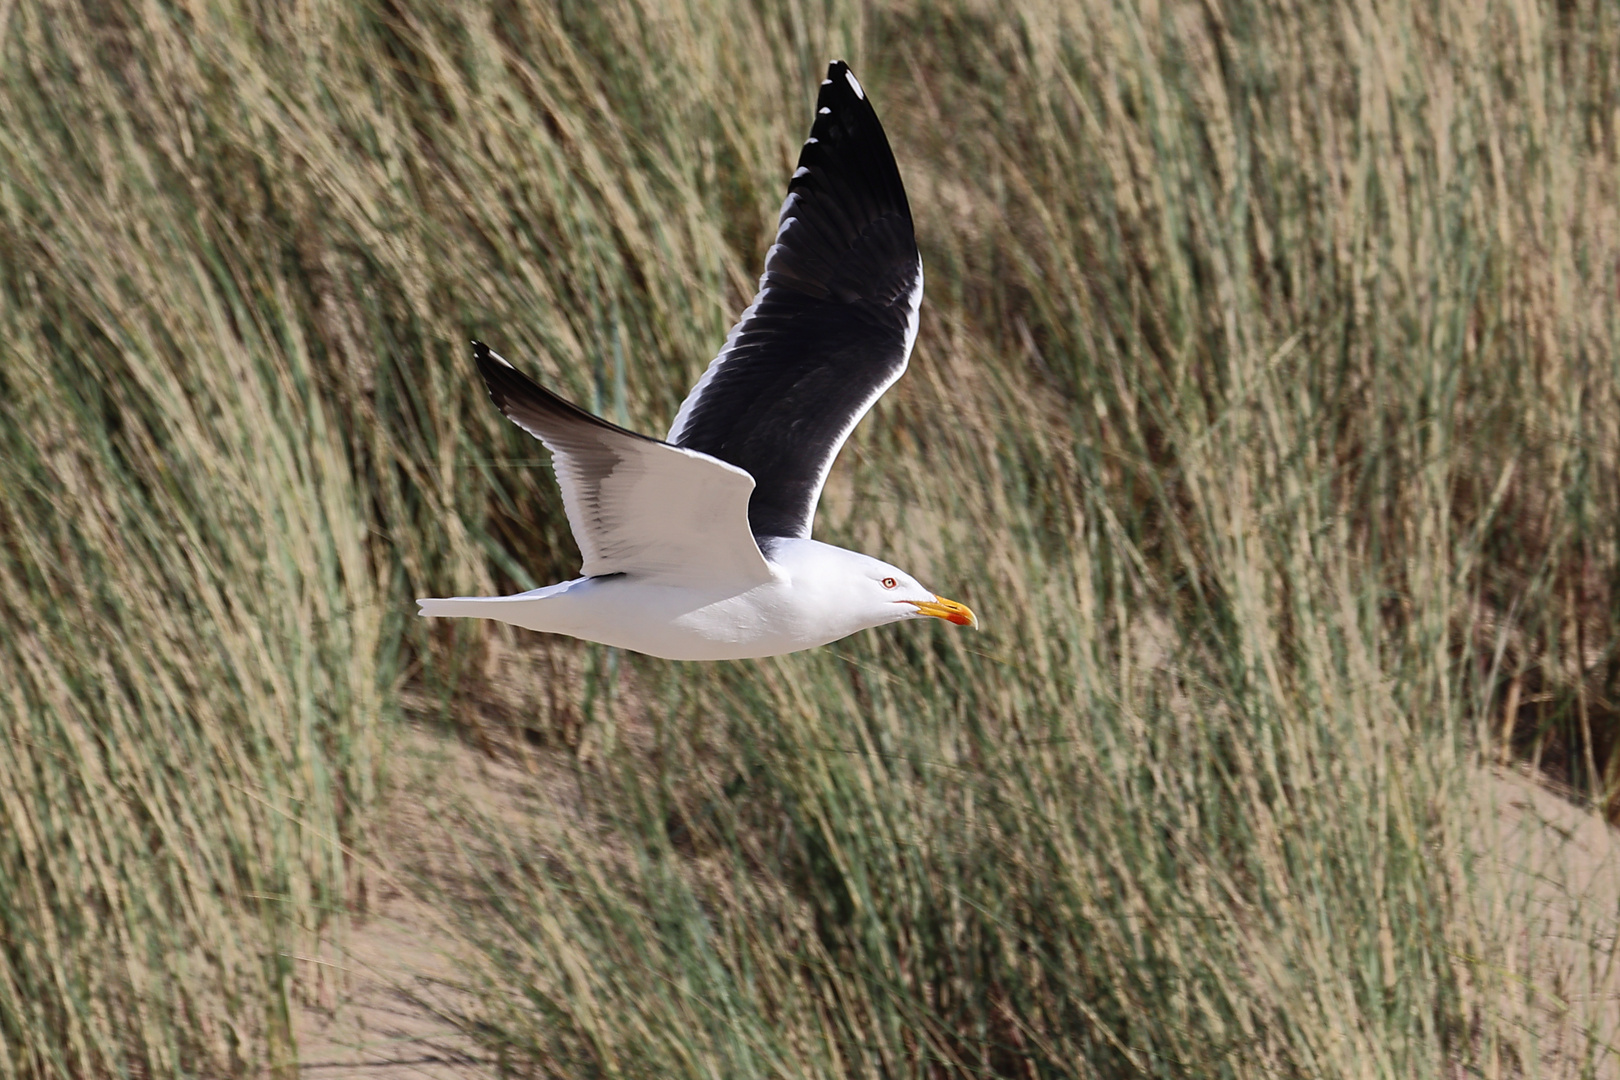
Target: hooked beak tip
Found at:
949, 610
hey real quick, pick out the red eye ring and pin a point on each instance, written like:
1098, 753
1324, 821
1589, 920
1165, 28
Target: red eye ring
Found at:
889, 583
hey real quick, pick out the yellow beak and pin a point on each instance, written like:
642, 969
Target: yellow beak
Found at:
949, 610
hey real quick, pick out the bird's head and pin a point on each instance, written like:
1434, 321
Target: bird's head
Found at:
869, 591
903, 597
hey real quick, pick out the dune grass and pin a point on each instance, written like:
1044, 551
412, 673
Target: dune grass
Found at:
1265, 407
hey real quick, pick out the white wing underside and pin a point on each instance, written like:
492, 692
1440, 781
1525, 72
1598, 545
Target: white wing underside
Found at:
662, 513
636, 505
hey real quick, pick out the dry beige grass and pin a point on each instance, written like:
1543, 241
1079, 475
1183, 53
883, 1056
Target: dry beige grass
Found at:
374, 1006
1265, 403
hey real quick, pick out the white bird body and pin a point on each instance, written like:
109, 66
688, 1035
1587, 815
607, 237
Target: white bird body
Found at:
813, 597
698, 547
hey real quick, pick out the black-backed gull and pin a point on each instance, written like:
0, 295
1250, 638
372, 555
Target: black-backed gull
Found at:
698, 547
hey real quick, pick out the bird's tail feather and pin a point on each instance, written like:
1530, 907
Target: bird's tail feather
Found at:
464, 607
484, 607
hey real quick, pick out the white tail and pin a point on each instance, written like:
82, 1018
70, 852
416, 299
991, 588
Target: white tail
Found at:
459, 607
489, 607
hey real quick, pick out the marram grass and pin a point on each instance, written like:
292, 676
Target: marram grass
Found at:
1265, 406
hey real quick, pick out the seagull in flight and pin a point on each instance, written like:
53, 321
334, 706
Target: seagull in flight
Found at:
697, 546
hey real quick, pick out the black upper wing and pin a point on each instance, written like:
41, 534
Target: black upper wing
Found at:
831, 327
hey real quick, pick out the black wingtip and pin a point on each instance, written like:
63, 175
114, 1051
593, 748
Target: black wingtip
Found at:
516, 395
842, 81
489, 360
847, 156
505, 383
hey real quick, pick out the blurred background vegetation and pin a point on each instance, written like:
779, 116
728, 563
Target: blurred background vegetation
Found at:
1265, 406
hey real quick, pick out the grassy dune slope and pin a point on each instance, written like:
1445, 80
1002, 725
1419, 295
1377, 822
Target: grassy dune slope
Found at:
1264, 405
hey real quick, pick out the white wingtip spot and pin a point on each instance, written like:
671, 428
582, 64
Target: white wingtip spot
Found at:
811, 141
824, 111
855, 84
802, 170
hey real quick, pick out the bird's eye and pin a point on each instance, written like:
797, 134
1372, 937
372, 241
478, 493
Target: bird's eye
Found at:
889, 583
